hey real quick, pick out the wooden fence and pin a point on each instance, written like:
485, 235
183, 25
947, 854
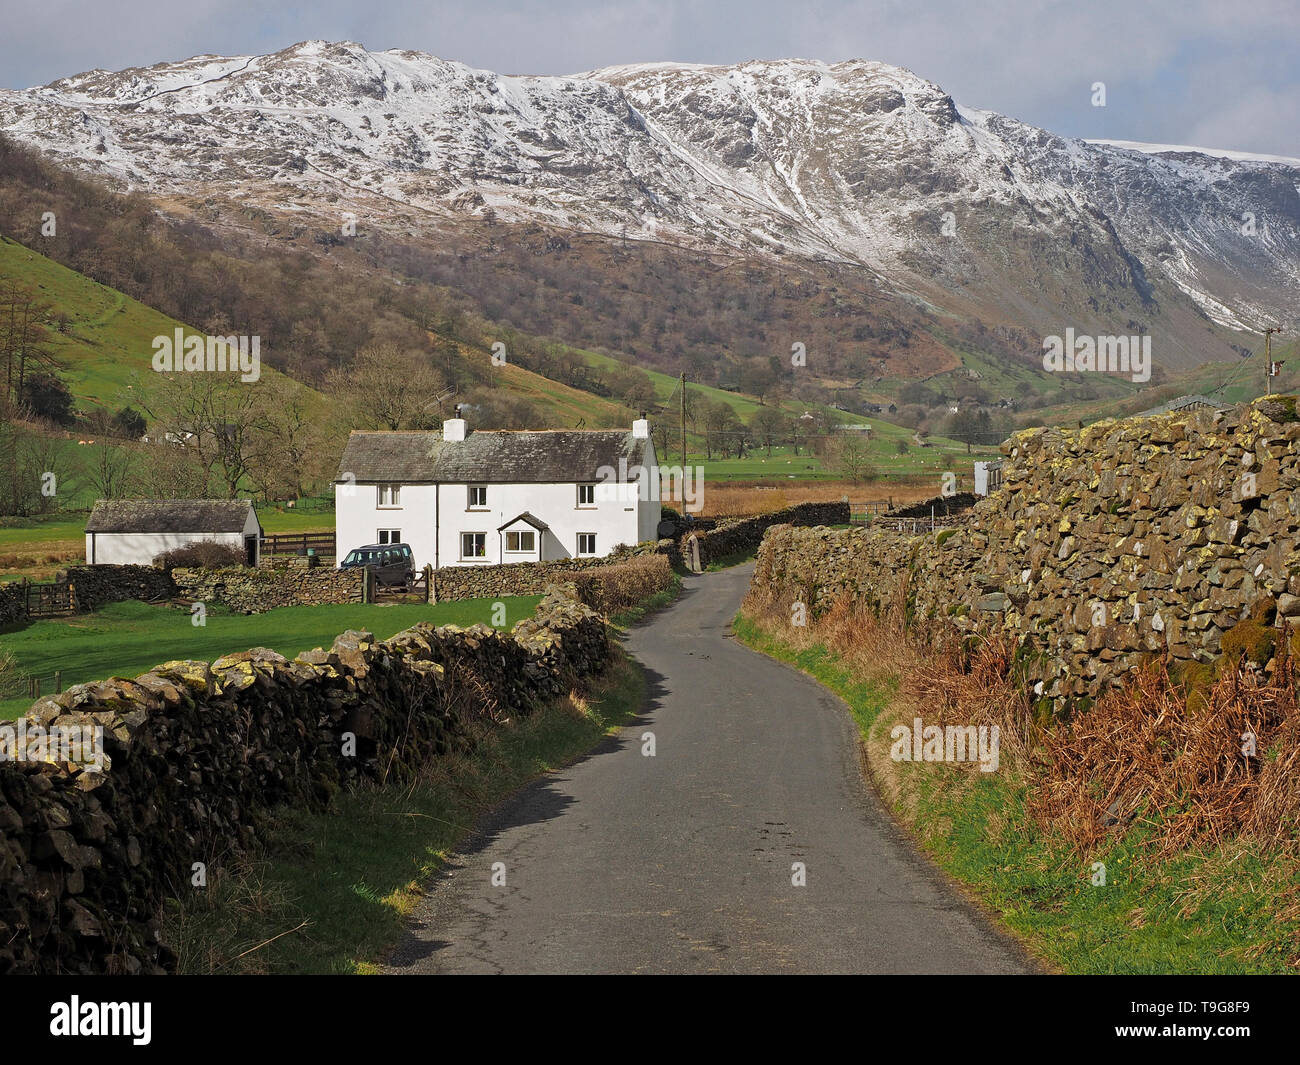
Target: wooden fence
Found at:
861, 513
323, 544
916, 526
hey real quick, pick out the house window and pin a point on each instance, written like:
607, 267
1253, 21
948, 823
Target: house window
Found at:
389, 536
477, 496
586, 543
473, 545
390, 495
523, 540
586, 495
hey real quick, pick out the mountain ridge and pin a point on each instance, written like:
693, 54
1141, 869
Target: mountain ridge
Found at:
859, 163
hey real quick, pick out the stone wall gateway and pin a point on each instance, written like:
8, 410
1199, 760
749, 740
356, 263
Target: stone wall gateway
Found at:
1102, 545
727, 537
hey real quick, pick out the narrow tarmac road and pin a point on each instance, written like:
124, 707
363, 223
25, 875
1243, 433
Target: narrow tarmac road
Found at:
682, 862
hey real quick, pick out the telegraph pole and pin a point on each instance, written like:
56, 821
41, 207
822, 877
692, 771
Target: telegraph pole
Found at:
683, 416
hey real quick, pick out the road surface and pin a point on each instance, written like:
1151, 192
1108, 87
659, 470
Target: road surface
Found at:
682, 862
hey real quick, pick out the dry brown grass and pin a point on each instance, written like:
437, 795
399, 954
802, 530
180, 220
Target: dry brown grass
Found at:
1145, 756
739, 500
1148, 755
41, 560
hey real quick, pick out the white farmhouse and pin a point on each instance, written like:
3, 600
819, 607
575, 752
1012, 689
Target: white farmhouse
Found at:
463, 498
136, 531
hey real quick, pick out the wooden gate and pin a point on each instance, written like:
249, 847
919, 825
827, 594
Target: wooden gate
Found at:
54, 600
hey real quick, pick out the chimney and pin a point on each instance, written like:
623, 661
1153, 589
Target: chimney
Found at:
641, 428
453, 429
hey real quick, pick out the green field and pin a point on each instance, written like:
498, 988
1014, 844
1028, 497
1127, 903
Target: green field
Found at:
127, 639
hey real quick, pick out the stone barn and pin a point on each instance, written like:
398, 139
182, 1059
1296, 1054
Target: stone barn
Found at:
136, 531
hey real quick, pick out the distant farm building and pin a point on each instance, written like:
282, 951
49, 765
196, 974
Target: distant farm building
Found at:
988, 477
136, 531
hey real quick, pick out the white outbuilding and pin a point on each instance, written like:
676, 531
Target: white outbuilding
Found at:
136, 531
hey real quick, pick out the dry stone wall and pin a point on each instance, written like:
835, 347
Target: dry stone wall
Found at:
529, 578
96, 586
199, 756
745, 534
13, 603
252, 591
1102, 545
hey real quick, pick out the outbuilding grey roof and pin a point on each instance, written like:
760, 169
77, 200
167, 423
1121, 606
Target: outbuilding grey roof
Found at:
547, 456
169, 516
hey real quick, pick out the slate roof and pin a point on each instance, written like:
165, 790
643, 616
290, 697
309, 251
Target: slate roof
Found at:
169, 516
549, 456
1186, 403
528, 518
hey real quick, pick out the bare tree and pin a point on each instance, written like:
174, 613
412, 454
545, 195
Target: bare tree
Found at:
388, 388
110, 471
296, 447
768, 425
23, 333
849, 455
34, 469
220, 418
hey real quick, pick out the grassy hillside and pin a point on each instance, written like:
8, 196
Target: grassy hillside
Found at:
106, 346
884, 456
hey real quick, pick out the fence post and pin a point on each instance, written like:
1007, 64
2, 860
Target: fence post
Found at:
430, 595
58, 681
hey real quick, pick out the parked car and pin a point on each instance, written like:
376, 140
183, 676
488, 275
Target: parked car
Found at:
391, 563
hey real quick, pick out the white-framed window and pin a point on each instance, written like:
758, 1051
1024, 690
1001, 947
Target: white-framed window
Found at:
586, 543
473, 545
477, 497
521, 540
390, 495
389, 536
586, 495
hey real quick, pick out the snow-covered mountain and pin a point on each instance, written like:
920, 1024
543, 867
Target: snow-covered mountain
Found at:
858, 162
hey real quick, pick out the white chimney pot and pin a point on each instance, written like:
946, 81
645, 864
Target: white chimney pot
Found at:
453, 429
641, 429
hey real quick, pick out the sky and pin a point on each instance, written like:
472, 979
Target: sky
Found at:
1209, 73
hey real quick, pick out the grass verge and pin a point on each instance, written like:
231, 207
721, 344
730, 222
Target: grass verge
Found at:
1230, 908
331, 892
